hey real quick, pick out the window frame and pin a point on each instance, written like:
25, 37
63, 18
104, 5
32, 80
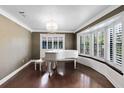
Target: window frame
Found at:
52, 36
111, 21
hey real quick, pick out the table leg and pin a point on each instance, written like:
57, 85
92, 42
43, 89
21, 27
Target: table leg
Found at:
53, 65
40, 66
35, 65
75, 62
49, 67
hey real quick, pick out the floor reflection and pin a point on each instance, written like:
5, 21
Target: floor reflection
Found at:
65, 76
85, 80
44, 79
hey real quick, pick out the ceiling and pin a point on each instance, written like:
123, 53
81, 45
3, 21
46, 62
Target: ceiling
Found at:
68, 17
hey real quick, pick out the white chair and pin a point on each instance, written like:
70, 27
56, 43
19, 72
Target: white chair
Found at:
39, 61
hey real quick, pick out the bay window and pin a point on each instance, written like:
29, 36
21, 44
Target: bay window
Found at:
104, 42
95, 44
118, 36
81, 44
87, 44
110, 31
101, 42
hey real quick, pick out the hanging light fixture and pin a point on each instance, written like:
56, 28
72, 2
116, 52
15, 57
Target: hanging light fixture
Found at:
51, 26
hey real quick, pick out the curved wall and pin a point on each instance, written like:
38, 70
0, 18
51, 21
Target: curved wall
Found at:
114, 77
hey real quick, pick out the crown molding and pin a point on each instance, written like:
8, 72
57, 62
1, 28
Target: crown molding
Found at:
53, 32
9, 16
106, 11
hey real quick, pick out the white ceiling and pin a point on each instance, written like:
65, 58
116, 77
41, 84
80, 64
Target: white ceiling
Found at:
68, 17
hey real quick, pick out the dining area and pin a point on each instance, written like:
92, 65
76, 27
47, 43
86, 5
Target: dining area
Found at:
54, 57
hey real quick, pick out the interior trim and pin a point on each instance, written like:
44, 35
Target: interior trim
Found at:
4, 13
54, 33
45, 31
5, 79
112, 67
112, 13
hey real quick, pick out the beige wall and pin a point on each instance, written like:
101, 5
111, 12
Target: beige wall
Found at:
15, 46
35, 45
70, 43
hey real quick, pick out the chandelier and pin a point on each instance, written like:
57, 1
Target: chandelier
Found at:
51, 26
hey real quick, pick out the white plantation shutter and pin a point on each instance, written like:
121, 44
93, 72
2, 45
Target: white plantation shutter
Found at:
118, 35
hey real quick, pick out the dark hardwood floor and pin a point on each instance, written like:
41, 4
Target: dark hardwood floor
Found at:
64, 77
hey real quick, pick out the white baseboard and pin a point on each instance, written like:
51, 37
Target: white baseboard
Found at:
13, 73
112, 81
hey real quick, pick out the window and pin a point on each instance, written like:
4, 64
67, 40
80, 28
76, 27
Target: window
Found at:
118, 35
60, 42
110, 31
87, 44
101, 44
81, 44
115, 43
104, 42
52, 41
95, 44
44, 43
55, 43
49, 42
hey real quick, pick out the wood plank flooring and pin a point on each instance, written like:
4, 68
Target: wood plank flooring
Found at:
64, 77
